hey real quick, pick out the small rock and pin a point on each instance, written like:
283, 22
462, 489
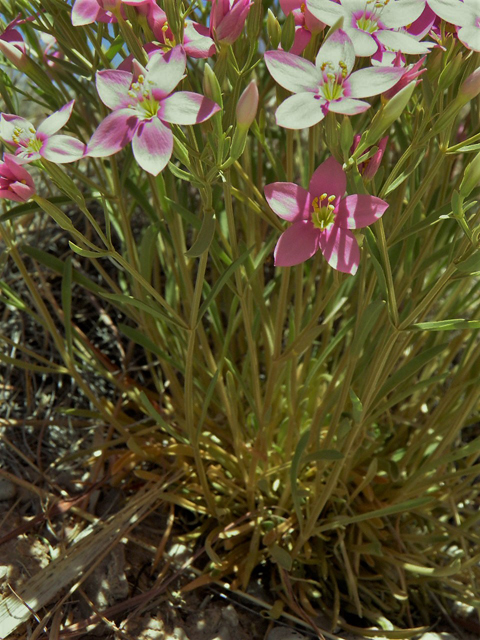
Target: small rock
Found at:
230, 616
285, 633
7, 489
178, 634
223, 633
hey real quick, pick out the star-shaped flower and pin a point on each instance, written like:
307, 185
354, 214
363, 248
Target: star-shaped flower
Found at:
322, 219
371, 23
33, 144
143, 108
327, 85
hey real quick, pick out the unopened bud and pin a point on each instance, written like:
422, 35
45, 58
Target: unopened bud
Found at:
450, 72
471, 86
469, 90
288, 32
247, 106
211, 86
255, 20
388, 114
471, 177
14, 54
274, 29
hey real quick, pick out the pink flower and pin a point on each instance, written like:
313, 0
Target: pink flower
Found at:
88, 11
305, 24
33, 144
247, 106
321, 219
143, 106
13, 36
370, 24
369, 168
327, 85
15, 182
465, 15
227, 19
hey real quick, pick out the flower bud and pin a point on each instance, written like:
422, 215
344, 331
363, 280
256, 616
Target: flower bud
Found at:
15, 182
274, 29
14, 54
288, 32
211, 86
388, 114
471, 177
469, 90
470, 87
247, 106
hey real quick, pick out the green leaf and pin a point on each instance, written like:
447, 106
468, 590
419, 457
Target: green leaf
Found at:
204, 238
357, 407
470, 265
367, 323
323, 454
67, 303
54, 212
279, 555
410, 369
140, 338
226, 275
101, 253
376, 260
445, 325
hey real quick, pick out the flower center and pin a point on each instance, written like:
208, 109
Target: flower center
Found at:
169, 39
333, 78
323, 214
368, 20
27, 139
146, 105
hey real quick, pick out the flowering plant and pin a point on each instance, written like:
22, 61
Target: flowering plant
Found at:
245, 235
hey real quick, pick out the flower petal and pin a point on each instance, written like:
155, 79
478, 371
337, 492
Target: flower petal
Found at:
363, 43
301, 40
325, 10
10, 122
293, 72
197, 41
359, 210
328, 178
401, 12
152, 145
186, 107
348, 106
340, 249
166, 70
398, 41
300, 111
457, 13
84, 12
112, 86
113, 133
373, 80
470, 37
288, 200
57, 120
338, 49
62, 149
297, 244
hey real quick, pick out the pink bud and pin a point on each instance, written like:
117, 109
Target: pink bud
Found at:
15, 181
14, 54
247, 105
227, 19
369, 168
471, 87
